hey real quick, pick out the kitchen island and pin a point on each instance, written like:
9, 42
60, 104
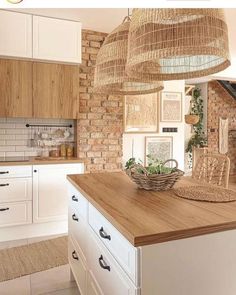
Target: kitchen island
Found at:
155, 242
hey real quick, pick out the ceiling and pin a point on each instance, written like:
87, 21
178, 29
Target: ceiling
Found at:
106, 19
97, 19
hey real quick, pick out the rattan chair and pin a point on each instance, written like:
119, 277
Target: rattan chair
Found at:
212, 169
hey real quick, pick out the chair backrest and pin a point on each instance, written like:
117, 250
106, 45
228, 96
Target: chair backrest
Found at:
197, 152
213, 169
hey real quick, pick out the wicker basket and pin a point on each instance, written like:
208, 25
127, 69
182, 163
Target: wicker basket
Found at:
191, 119
155, 182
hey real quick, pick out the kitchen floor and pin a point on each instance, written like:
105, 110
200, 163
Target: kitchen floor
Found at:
55, 281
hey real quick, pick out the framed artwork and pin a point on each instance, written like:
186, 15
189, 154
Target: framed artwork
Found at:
141, 113
160, 147
171, 106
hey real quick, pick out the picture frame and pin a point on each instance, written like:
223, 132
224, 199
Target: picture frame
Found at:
141, 113
161, 147
171, 106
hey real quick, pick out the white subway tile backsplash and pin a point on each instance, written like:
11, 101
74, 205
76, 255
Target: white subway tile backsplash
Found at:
31, 154
16, 142
15, 120
14, 154
8, 136
15, 131
5, 148
20, 125
15, 136
22, 136
7, 126
23, 148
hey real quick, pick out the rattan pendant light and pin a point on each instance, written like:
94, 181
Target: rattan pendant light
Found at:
110, 76
172, 44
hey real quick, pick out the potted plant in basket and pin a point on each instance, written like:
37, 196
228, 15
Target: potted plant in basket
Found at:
156, 176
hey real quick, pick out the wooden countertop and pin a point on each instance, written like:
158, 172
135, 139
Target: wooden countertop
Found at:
145, 217
33, 161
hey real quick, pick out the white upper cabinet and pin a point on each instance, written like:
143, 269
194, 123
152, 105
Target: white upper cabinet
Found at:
56, 40
15, 34
41, 38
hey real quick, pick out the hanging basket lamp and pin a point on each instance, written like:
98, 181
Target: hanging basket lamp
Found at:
175, 44
110, 76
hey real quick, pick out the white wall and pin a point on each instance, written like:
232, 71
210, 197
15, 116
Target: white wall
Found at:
178, 138
188, 133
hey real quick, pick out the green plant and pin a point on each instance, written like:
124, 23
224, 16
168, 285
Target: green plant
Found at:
198, 139
155, 166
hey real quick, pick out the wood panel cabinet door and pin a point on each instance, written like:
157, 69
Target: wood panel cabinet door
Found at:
55, 91
15, 88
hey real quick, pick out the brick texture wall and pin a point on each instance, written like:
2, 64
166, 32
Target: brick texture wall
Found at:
100, 125
221, 104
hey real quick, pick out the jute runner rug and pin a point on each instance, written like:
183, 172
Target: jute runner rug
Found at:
28, 259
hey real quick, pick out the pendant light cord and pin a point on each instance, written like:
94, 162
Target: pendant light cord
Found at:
127, 18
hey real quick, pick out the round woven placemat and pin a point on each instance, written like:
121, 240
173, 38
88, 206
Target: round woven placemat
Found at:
206, 193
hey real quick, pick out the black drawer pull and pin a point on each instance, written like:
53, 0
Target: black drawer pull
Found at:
75, 218
74, 199
74, 255
4, 184
4, 209
103, 264
4, 172
103, 234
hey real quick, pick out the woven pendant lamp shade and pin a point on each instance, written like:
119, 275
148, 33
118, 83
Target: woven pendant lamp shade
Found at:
173, 44
110, 76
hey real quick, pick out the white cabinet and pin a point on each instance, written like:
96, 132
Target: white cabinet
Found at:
15, 171
41, 38
56, 39
16, 213
15, 189
78, 267
92, 285
50, 202
110, 276
122, 250
15, 195
111, 262
15, 34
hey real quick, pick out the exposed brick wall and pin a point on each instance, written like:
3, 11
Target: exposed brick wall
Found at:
221, 104
100, 124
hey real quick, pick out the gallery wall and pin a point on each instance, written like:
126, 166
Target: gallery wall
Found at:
138, 139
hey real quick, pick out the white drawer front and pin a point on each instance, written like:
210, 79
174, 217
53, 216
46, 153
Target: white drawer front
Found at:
15, 189
15, 171
109, 275
78, 230
77, 266
123, 251
78, 202
92, 286
15, 213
